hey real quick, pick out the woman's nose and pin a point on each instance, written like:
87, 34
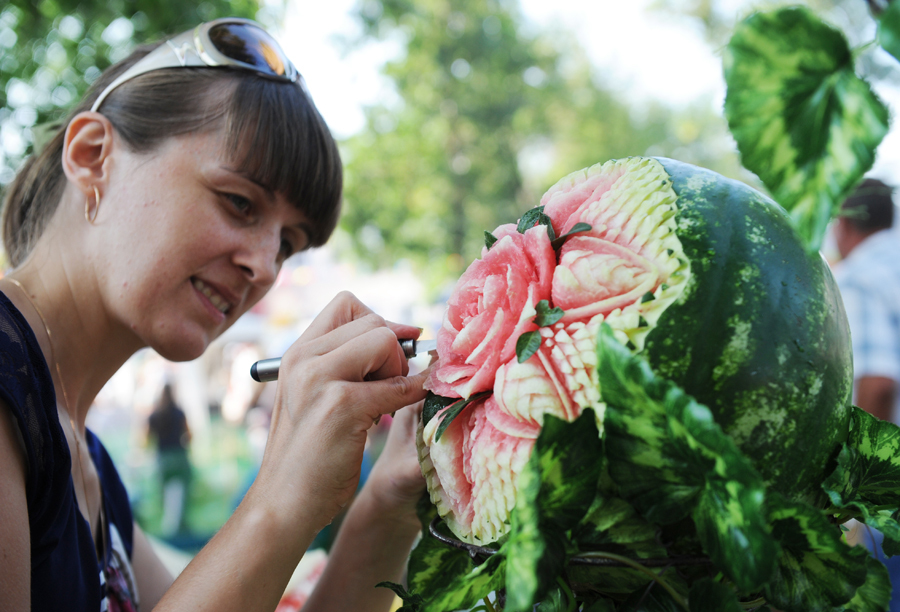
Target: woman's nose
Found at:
259, 257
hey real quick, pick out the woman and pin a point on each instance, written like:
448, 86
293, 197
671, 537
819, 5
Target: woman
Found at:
161, 213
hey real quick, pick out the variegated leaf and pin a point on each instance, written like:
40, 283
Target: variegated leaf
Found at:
555, 490
709, 596
869, 467
464, 592
803, 121
816, 570
889, 29
864, 481
670, 459
875, 594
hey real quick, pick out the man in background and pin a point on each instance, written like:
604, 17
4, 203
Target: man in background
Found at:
168, 428
869, 279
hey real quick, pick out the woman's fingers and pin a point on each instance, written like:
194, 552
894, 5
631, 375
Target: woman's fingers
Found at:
344, 308
395, 393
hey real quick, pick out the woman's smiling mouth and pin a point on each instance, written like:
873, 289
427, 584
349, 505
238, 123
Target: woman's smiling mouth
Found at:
215, 299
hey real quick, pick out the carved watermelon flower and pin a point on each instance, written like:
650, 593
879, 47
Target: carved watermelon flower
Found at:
492, 305
522, 325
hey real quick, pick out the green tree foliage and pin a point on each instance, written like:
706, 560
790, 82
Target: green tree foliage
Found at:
52, 50
487, 117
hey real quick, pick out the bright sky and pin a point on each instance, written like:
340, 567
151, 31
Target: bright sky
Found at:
638, 52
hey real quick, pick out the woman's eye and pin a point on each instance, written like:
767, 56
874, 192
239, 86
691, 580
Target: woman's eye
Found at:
241, 204
287, 249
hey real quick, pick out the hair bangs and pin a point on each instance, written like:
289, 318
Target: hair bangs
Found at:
281, 142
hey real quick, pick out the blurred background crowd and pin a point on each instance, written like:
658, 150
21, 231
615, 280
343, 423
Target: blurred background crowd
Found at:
453, 115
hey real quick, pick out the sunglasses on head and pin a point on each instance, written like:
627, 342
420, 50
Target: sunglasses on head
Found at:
229, 43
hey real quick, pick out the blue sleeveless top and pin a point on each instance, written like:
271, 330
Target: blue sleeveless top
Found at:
65, 571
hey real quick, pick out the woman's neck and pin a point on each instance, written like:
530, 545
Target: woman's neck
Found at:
84, 346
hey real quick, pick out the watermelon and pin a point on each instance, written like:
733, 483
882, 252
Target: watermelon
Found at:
702, 276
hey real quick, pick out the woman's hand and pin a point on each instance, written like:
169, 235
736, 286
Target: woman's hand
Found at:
396, 483
344, 372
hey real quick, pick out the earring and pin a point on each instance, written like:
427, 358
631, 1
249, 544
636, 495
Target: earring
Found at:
91, 216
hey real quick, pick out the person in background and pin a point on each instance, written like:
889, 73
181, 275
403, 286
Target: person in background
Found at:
868, 276
168, 429
161, 212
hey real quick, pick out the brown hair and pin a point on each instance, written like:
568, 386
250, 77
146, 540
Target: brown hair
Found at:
278, 137
871, 206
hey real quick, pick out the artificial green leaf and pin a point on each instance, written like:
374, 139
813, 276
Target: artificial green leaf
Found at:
527, 345
411, 601
600, 605
670, 460
454, 411
555, 601
576, 229
554, 490
533, 217
844, 487
434, 404
654, 599
547, 316
803, 121
425, 511
868, 470
489, 239
613, 525
709, 596
435, 567
567, 459
875, 594
464, 592
889, 29
536, 555
816, 569
866, 480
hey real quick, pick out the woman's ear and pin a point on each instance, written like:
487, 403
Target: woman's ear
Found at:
87, 151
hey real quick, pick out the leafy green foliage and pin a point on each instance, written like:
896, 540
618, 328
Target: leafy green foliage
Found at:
875, 594
464, 591
889, 29
613, 525
535, 217
554, 491
455, 410
576, 229
51, 51
434, 404
816, 569
863, 483
803, 121
709, 595
671, 459
527, 345
547, 316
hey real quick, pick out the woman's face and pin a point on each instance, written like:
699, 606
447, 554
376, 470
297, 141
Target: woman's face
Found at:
188, 243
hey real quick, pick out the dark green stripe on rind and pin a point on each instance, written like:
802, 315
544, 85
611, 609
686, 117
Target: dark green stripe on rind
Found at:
759, 335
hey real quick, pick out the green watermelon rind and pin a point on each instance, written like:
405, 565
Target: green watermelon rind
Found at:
773, 362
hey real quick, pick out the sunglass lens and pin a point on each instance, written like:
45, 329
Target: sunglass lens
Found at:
251, 45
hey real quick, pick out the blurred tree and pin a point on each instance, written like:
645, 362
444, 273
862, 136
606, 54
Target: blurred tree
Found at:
486, 117
52, 50
855, 18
